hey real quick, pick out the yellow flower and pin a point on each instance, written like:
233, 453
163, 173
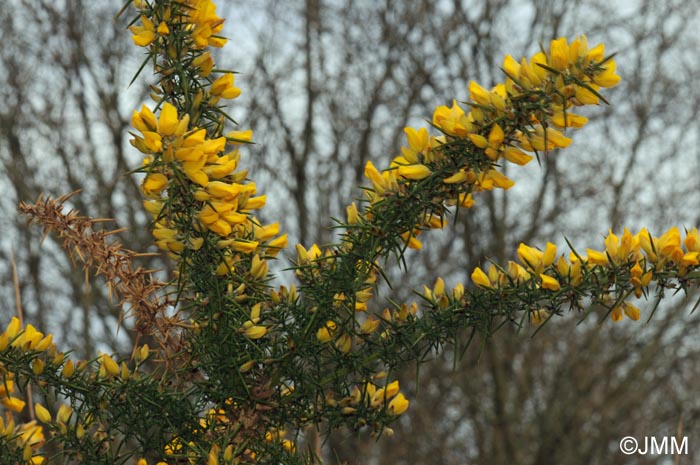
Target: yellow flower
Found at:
143, 35
41, 413
452, 121
370, 325
153, 141
325, 334
224, 88
398, 404
607, 78
110, 366
559, 54
414, 172
480, 278
418, 144
478, 140
535, 259
374, 176
631, 311
168, 121
692, 240
457, 178
277, 244
597, 258
254, 203
495, 142
203, 62
571, 271
64, 413
479, 94
38, 366
255, 331
516, 156
669, 244
13, 403
6, 387
240, 137
549, 282
244, 246
568, 120
154, 183
202, 15
288, 445
13, 328
68, 369
163, 29
44, 343
28, 339
494, 178
411, 240
344, 343
616, 314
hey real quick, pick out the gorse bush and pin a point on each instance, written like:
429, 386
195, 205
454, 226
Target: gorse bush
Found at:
239, 367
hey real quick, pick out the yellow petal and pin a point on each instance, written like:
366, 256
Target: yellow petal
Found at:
480, 278
143, 38
163, 29
244, 246
167, 122
496, 136
13, 403
398, 404
414, 172
13, 328
458, 177
154, 183
597, 258
549, 282
42, 414
153, 141
240, 137
256, 332
479, 94
110, 365
517, 156
631, 311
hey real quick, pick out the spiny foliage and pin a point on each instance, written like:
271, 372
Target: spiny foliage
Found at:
241, 367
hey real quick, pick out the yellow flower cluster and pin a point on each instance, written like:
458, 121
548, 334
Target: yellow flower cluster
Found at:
216, 422
279, 436
27, 437
184, 163
506, 122
374, 397
186, 157
197, 18
641, 253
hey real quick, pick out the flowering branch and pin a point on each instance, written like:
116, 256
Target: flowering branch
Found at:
247, 366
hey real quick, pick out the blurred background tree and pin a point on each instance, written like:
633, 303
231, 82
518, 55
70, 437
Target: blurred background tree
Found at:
329, 85
65, 69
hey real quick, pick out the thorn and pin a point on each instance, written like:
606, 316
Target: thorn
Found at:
65, 197
115, 231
